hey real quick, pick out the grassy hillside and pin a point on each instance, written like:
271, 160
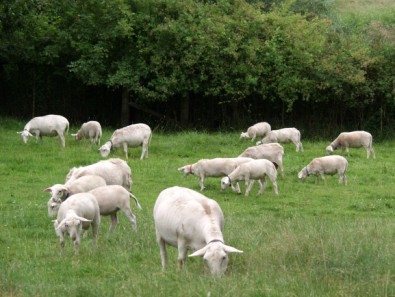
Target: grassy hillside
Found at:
312, 240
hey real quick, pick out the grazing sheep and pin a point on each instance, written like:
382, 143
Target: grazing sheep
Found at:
90, 130
250, 171
113, 198
188, 220
49, 125
76, 213
354, 139
328, 165
59, 192
216, 167
114, 171
133, 136
257, 130
284, 135
273, 152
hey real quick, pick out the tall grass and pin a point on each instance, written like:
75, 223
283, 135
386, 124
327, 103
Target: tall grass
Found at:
312, 240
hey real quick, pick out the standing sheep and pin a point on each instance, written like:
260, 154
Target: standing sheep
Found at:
188, 220
354, 139
257, 130
133, 136
273, 152
90, 130
114, 171
216, 167
113, 198
49, 125
250, 171
60, 193
328, 165
284, 135
78, 212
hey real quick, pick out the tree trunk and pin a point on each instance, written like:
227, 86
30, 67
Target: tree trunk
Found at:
184, 110
125, 107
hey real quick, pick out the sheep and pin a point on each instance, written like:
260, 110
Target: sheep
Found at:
59, 192
90, 130
113, 198
354, 139
257, 130
273, 152
328, 165
216, 167
114, 171
76, 213
284, 135
187, 219
250, 171
49, 125
133, 136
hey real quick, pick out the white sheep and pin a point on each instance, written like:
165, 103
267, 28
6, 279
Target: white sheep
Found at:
130, 136
257, 130
78, 212
188, 220
59, 192
284, 135
216, 167
114, 171
90, 130
273, 152
49, 125
114, 198
354, 139
250, 171
328, 165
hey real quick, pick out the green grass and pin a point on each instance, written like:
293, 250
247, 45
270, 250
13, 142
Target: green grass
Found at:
312, 240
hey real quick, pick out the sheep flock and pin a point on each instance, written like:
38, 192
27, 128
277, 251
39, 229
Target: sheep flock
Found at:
183, 218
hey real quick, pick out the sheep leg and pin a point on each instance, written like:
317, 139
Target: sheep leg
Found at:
249, 184
95, 229
348, 151
131, 217
114, 222
280, 164
162, 247
144, 153
262, 183
323, 177
182, 254
236, 188
61, 136
273, 179
125, 149
300, 147
201, 182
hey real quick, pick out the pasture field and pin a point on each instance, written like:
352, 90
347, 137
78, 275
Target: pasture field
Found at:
311, 240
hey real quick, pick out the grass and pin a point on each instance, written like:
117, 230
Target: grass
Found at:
312, 240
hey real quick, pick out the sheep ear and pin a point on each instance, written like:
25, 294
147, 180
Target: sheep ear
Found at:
83, 219
199, 253
19, 132
73, 135
48, 190
229, 249
181, 168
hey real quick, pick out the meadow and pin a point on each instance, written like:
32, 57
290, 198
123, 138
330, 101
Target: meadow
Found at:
311, 240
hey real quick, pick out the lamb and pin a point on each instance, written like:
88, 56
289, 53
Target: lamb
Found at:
188, 220
114, 171
354, 139
216, 167
76, 213
49, 125
284, 135
273, 152
90, 130
113, 198
250, 171
59, 192
257, 130
328, 165
133, 136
